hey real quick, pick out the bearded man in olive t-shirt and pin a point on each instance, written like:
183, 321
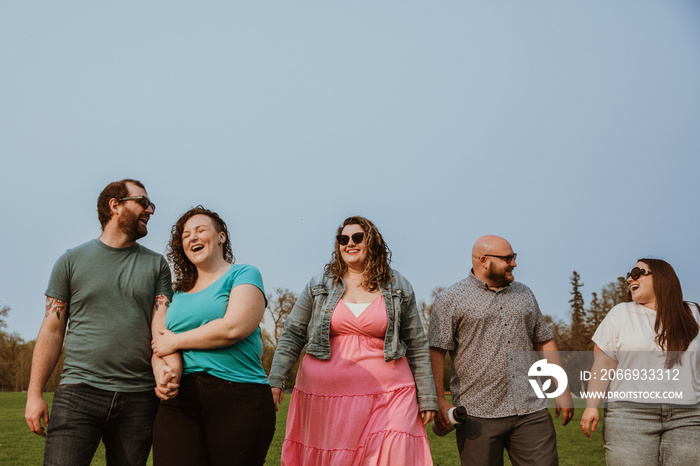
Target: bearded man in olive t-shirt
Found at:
108, 297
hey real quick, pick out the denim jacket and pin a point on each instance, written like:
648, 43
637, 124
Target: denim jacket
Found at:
308, 326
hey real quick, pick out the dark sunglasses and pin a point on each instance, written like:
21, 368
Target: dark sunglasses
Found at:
143, 201
508, 259
636, 272
357, 238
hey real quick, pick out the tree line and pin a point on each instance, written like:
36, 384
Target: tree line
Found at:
575, 335
16, 359
572, 335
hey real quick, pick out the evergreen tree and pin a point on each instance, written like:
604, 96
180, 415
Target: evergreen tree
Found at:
622, 291
579, 337
614, 293
596, 313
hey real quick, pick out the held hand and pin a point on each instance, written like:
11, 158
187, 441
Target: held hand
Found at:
167, 384
165, 344
565, 406
441, 418
589, 421
36, 411
427, 416
277, 397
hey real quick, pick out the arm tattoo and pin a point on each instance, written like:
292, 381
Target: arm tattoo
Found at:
56, 306
161, 300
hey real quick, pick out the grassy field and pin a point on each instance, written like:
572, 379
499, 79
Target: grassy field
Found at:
18, 446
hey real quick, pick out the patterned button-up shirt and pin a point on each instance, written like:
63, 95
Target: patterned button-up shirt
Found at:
490, 335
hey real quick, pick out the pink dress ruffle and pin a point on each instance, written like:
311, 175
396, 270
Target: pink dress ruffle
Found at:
355, 409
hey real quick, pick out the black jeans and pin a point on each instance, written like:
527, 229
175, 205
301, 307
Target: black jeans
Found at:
214, 422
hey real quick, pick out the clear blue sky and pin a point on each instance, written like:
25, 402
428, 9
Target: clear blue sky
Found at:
570, 129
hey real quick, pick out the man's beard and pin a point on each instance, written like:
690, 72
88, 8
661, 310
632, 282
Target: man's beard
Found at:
129, 224
500, 279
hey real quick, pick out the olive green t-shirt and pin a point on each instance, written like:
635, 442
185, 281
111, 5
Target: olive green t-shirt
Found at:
110, 292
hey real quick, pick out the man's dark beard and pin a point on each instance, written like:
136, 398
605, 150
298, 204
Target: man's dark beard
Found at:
501, 279
129, 224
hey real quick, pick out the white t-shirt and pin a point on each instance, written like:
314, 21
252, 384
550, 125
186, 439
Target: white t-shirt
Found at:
627, 336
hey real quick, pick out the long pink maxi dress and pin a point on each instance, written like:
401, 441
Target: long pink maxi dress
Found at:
354, 408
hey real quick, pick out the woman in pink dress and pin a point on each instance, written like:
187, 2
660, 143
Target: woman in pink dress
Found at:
364, 391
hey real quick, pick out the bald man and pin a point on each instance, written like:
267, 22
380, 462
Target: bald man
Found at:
492, 326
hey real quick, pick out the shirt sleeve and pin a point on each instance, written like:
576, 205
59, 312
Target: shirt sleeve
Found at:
441, 330
59, 281
541, 331
248, 275
605, 335
165, 287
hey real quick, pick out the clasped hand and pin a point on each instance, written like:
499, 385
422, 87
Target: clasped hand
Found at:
167, 383
165, 344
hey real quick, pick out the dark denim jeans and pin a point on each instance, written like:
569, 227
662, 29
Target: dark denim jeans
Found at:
82, 415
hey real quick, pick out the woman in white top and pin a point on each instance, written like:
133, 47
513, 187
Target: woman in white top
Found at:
647, 351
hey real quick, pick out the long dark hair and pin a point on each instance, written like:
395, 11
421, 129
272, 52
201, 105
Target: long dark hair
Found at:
185, 271
377, 270
675, 324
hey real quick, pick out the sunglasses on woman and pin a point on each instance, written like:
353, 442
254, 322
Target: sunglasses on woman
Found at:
637, 272
357, 238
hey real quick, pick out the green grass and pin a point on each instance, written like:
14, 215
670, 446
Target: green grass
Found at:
18, 446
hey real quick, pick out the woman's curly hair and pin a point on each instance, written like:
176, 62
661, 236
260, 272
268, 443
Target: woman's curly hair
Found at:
185, 271
377, 270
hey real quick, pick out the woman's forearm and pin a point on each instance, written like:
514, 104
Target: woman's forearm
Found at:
597, 385
214, 334
244, 312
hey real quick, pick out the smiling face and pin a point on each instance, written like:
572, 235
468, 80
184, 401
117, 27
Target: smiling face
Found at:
353, 254
490, 268
200, 240
499, 271
133, 219
642, 288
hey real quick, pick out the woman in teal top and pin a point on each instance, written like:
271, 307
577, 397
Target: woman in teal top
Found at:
224, 412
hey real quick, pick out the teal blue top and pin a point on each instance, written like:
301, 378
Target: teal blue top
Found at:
240, 362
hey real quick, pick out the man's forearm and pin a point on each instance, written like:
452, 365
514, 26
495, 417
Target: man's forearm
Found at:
46, 353
437, 362
548, 350
173, 361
